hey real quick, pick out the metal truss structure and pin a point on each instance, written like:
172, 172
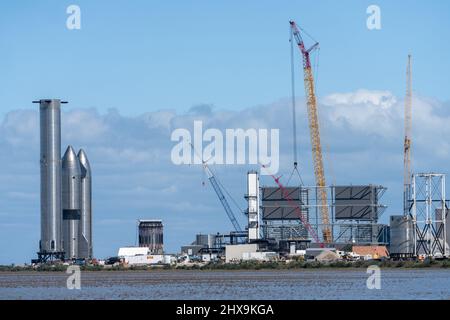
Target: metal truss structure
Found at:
44, 257
426, 206
343, 231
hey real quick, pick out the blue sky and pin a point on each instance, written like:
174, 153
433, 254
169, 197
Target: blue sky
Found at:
140, 56
136, 69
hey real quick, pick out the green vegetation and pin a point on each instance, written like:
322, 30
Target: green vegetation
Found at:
40, 268
255, 265
295, 264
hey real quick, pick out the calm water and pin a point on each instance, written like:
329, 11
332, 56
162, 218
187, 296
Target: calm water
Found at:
302, 284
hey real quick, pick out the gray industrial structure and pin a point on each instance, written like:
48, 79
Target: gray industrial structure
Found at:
66, 213
355, 211
427, 199
151, 235
253, 208
402, 237
443, 228
291, 215
422, 230
280, 218
357, 202
214, 243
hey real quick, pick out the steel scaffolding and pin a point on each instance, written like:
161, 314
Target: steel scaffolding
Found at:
344, 231
429, 223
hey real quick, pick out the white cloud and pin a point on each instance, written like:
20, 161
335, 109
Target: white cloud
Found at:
83, 125
382, 99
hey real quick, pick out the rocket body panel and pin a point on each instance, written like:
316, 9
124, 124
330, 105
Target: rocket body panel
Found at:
85, 226
70, 232
50, 167
71, 202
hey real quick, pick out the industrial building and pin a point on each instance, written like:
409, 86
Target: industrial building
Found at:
150, 250
66, 196
207, 244
142, 256
246, 252
150, 234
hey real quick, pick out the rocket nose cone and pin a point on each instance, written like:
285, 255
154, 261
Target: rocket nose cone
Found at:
83, 159
70, 158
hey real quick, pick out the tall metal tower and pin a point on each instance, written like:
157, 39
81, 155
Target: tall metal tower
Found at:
253, 206
407, 142
429, 215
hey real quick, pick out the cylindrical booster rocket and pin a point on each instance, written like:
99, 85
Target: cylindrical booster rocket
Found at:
50, 164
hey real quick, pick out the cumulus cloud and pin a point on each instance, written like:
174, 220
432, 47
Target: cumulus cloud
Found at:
382, 99
133, 176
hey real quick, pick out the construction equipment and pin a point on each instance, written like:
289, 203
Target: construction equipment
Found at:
314, 130
218, 190
223, 200
407, 142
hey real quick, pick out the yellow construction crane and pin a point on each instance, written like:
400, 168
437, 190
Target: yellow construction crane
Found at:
407, 142
314, 131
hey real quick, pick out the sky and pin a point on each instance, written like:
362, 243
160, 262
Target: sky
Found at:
137, 70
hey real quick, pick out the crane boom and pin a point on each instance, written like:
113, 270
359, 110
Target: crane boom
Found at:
218, 191
314, 131
221, 196
407, 142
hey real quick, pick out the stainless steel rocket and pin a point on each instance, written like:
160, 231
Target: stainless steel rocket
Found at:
50, 165
66, 210
85, 225
71, 202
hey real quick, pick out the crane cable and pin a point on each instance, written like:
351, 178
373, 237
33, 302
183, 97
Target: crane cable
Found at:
299, 176
304, 31
228, 194
294, 116
204, 164
294, 124
324, 140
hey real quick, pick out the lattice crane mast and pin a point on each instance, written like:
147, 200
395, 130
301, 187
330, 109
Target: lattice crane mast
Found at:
221, 196
314, 130
218, 190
